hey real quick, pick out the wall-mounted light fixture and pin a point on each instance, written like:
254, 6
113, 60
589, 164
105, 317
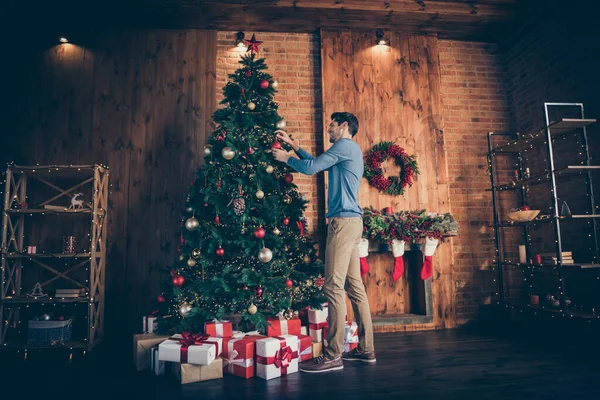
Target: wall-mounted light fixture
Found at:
63, 39
380, 37
239, 39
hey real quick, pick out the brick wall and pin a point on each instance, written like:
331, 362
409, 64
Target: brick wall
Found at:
294, 61
474, 102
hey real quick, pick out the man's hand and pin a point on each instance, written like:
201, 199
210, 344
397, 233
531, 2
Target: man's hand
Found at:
280, 155
285, 138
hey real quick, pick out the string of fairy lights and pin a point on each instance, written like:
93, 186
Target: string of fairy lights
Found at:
13, 252
522, 180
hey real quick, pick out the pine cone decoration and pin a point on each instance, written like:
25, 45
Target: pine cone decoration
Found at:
239, 205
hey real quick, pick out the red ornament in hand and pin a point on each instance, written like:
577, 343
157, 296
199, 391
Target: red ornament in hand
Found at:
276, 145
161, 298
289, 178
258, 291
178, 280
286, 221
264, 84
220, 252
259, 232
288, 283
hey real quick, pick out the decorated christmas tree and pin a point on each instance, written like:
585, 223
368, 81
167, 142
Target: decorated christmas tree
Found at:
244, 247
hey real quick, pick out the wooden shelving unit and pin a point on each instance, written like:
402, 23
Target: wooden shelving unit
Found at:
29, 192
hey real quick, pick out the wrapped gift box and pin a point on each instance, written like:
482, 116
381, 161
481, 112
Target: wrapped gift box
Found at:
317, 349
149, 324
305, 351
222, 329
142, 345
350, 335
276, 356
304, 330
189, 373
317, 320
157, 366
238, 355
190, 348
280, 326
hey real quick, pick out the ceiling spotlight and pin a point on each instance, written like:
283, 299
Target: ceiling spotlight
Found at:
63, 39
239, 39
380, 38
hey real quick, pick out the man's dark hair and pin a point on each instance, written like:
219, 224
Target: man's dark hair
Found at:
341, 117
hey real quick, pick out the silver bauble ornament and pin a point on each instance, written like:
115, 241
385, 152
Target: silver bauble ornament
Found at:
252, 309
265, 255
191, 262
208, 149
184, 309
196, 253
192, 224
281, 124
260, 194
227, 153
269, 169
251, 106
274, 84
287, 199
276, 231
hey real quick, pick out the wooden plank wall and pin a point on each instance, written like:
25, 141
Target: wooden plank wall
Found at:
395, 93
141, 103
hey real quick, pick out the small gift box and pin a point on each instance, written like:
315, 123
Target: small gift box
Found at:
350, 335
282, 326
276, 356
317, 320
238, 354
216, 328
305, 351
156, 365
142, 345
149, 324
190, 348
189, 373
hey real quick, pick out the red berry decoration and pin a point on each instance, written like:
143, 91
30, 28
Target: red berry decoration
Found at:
178, 280
288, 283
289, 178
264, 84
219, 184
276, 145
259, 232
220, 252
258, 291
286, 221
161, 298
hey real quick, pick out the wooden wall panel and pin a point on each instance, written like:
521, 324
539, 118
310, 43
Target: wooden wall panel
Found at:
395, 93
140, 102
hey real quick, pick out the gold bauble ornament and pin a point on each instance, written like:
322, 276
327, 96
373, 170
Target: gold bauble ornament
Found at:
269, 169
265, 255
309, 282
251, 106
227, 153
191, 262
208, 149
196, 253
184, 309
287, 199
274, 84
306, 259
260, 194
181, 257
252, 309
276, 231
191, 224
281, 124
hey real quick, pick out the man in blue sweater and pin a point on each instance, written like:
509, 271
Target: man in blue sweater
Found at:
344, 162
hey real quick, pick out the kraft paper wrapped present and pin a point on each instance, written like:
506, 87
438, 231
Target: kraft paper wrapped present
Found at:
305, 350
276, 356
281, 326
317, 320
149, 324
142, 345
238, 354
317, 349
189, 373
222, 329
156, 366
190, 348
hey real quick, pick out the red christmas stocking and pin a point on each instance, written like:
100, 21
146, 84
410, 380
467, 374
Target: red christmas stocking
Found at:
428, 250
363, 252
398, 251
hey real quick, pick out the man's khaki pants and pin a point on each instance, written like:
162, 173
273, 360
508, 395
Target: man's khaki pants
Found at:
342, 274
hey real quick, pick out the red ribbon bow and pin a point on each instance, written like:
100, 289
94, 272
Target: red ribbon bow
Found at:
189, 339
283, 357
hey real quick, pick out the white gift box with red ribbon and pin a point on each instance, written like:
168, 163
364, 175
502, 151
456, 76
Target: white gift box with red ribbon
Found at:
276, 356
190, 348
317, 320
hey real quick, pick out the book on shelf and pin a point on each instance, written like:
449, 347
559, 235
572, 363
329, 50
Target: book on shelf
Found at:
50, 207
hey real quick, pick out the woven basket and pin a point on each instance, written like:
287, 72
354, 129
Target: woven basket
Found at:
523, 216
49, 332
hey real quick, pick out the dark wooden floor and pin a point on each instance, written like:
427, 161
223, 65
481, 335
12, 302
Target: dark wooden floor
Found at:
452, 364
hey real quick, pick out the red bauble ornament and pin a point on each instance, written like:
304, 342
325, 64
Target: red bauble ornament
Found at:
250, 150
220, 252
245, 287
258, 291
161, 298
276, 145
289, 178
288, 283
264, 84
173, 272
178, 280
319, 282
259, 232
217, 220
286, 221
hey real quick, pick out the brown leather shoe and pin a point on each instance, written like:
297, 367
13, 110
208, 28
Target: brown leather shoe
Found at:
322, 364
357, 355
